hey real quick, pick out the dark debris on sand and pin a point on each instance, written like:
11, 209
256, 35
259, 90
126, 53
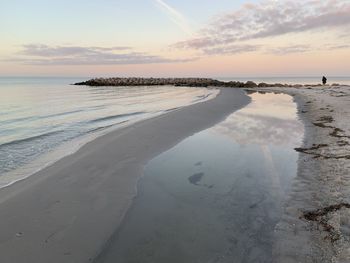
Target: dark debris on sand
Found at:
319, 216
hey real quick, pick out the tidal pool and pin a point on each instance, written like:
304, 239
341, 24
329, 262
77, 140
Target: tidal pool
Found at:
217, 195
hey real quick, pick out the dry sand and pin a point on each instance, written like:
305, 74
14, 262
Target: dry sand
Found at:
68, 211
316, 223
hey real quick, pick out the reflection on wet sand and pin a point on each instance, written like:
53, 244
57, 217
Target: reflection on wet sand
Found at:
271, 119
216, 196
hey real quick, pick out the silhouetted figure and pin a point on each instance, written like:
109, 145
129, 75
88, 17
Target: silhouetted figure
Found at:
324, 80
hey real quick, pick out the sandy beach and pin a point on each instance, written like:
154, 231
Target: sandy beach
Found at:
315, 226
67, 212
217, 195
169, 131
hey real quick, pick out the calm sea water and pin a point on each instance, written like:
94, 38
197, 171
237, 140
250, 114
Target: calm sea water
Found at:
218, 195
292, 80
43, 119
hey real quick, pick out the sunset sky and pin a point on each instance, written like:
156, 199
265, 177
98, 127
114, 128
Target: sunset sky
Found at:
224, 38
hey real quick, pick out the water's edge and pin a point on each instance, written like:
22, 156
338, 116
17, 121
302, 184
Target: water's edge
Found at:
102, 255
95, 185
70, 147
101, 251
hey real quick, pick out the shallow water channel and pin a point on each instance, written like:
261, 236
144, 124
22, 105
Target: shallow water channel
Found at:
217, 195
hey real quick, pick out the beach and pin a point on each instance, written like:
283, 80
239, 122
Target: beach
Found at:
321, 188
69, 211
217, 195
169, 131
41, 121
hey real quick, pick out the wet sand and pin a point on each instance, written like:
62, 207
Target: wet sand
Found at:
217, 195
315, 226
68, 211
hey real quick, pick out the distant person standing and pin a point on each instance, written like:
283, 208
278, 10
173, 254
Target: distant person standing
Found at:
324, 80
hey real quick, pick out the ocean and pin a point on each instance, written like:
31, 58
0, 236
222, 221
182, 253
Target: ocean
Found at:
45, 119
291, 80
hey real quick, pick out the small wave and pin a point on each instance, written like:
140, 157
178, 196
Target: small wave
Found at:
30, 118
203, 97
32, 138
105, 127
11, 121
172, 109
117, 116
59, 114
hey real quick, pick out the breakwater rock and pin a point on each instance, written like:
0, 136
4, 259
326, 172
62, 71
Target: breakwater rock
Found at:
188, 82
192, 82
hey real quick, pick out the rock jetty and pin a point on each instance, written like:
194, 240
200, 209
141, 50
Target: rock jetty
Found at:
192, 82
188, 82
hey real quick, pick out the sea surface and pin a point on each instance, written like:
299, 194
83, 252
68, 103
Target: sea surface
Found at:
44, 119
218, 195
291, 80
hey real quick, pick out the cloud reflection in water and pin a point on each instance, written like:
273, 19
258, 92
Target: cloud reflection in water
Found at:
271, 119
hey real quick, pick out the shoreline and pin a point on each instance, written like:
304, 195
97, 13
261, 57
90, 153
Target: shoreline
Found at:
67, 211
70, 147
223, 184
313, 227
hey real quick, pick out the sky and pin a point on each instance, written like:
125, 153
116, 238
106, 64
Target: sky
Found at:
175, 38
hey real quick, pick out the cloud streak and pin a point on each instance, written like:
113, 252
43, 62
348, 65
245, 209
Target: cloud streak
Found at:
39, 54
291, 49
231, 49
44, 50
267, 19
175, 16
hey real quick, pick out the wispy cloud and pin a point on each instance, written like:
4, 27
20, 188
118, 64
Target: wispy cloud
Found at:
45, 50
335, 47
290, 49
270, 18
231, 49
39, 54
246, 48
175, 16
